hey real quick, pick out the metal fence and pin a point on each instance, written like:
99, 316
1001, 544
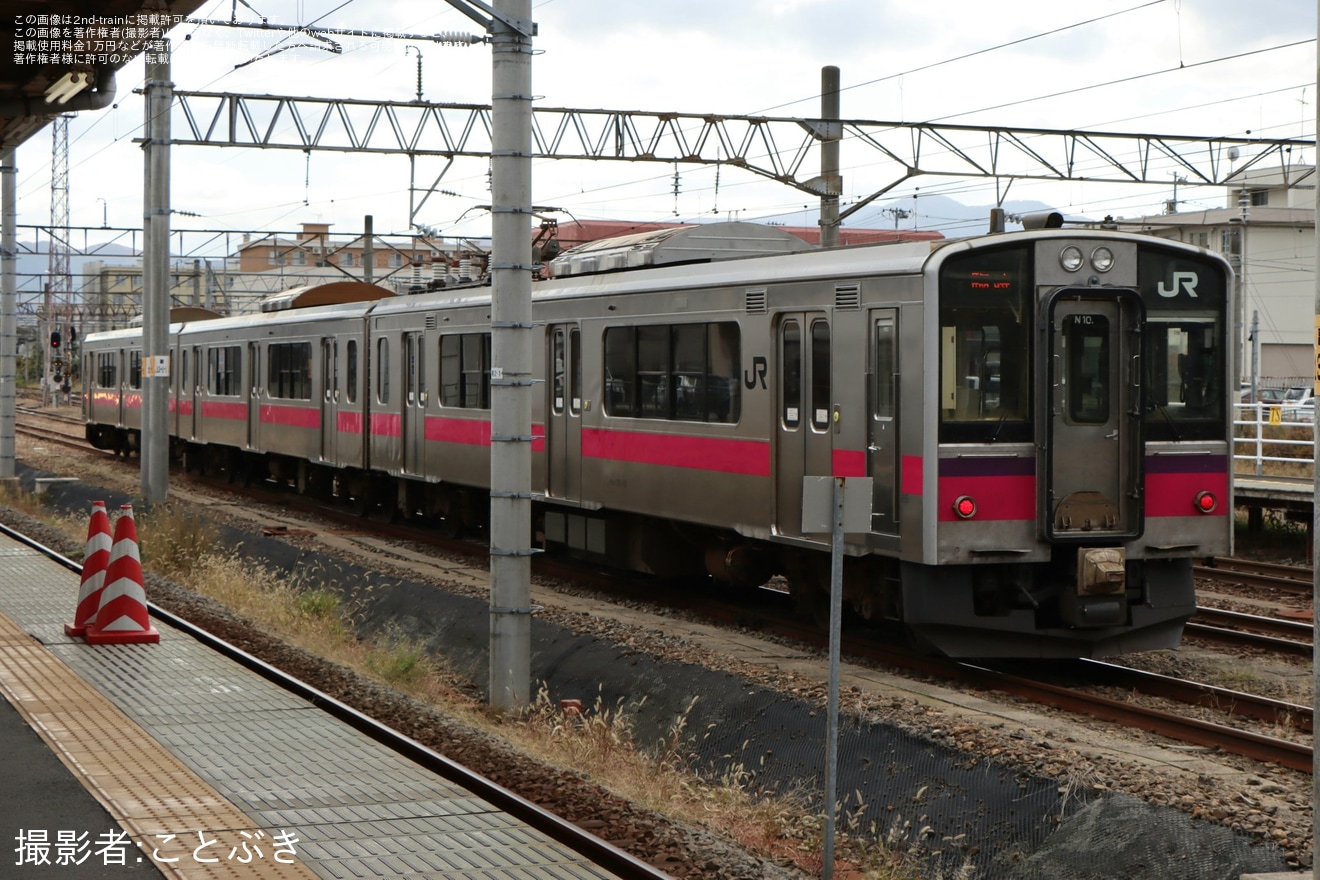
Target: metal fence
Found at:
1271, 439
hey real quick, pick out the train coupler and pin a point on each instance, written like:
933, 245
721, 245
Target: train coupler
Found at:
1100, 595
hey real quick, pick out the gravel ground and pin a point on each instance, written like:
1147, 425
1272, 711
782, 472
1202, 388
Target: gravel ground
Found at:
1165, 823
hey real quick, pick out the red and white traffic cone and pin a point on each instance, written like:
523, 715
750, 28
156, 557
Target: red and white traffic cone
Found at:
95, 560
122, 618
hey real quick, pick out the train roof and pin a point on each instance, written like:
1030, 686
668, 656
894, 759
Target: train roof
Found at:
679, 244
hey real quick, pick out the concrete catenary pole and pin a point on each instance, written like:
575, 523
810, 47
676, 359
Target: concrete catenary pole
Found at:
8, 307
511, 369
1315, 520
155, 472
829, 157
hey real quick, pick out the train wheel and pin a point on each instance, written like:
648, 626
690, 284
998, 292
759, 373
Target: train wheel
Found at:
302, 480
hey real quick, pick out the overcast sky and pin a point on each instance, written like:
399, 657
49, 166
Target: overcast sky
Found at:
956, 61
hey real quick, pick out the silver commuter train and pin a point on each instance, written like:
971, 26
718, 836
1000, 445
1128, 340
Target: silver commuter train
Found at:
1045, 416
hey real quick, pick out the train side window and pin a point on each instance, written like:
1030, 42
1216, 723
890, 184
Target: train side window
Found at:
723, 356
451, 370
224, 374
383, 371
289, 370
820, 375
135, 369
476, 370
791, 368
653, 371
105, 370
688, 377
351, 371
620, 370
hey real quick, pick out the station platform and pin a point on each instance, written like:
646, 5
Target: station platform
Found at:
210, 771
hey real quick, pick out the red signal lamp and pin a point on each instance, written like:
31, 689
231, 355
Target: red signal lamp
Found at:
1206, 502
964, 506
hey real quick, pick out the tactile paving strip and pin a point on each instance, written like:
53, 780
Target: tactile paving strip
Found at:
157, 799
224, 741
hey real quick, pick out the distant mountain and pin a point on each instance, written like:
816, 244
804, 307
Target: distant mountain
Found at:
926, 213
32, 267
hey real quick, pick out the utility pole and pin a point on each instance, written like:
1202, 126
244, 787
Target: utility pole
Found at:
511, 28
831, 182
155, 449
8, 308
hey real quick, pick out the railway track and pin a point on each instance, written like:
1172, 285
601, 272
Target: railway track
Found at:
1287, 579
565, 832
780, 619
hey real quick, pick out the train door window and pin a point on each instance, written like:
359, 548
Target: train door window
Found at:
410, 367
1086, 369
885, 397
575, 371
383, 371
330, 374
135, 369
820, 375
183, 373
791, 368
351, 371
559, 368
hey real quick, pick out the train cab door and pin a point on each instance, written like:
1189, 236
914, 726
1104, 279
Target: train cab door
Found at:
563, 408
882, 444
1093, 463
804, 436
414, 403
330, 394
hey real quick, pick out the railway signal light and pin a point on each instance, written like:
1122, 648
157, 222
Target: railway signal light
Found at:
54, 339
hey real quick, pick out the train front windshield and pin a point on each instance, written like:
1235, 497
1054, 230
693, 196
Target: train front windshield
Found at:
985, 347
1185, 346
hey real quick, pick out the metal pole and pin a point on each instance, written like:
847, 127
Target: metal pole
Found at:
155, 445
1315, 532
8, 308
832, 710
511, 373
368, 254
829, 157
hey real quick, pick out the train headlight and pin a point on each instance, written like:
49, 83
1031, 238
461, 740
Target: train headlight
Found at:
1206, 502
964, 506
1070, 258
1102, 259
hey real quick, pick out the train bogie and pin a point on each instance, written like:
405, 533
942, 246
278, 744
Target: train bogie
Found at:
1042, 416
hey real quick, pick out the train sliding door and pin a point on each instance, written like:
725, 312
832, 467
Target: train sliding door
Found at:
882, 444
414, 404
329, 400
563, 421
804, 438
1093, 471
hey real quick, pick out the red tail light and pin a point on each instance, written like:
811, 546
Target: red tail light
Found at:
1206, 502
964, 506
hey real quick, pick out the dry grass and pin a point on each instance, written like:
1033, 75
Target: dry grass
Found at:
181, 547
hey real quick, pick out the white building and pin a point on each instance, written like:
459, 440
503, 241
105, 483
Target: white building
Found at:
1267, 231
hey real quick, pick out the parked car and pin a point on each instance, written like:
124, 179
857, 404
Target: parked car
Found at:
1267, 396
1299, 404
